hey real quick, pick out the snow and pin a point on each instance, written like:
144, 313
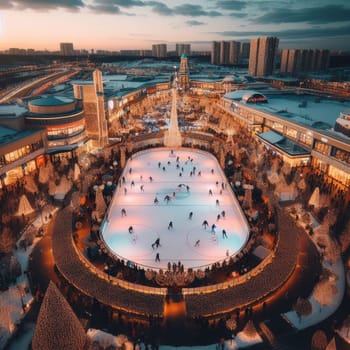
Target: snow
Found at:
323, 306
150, 221
10, 300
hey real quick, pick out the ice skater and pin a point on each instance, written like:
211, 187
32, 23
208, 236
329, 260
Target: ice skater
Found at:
142, 189
150, 179
125, 190
167, 199
131, 230
170, 226
123, 211
213, 227
217, 203
156, 201
156, 243
218, 217
197, 243
223, 214
188, 188
212, 171
132, 183
159, 164
205, 224
210, 192
224, 235
130, 171
157, 259
190, 216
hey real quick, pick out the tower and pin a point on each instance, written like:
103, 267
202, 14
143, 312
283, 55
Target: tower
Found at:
184, 73
92, 96
172, 137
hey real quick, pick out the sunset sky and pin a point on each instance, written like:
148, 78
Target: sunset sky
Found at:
136, 24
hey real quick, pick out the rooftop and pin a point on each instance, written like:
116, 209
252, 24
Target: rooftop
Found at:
51, 101
8, 135
13, 110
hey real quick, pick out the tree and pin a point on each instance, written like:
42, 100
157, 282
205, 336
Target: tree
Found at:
7, 241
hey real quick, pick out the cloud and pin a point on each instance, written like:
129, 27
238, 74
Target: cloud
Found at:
160, 8
307, 33
42, 4
194, 11
317, 15
193, 23
187, 10
232, 5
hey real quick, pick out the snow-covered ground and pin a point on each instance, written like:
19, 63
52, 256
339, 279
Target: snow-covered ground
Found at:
156, 174
11, 310
327, 296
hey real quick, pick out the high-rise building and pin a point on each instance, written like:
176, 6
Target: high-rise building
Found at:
184, 73
215, 52
224, 52
245, 50
262, 56
92, 96
159, 50
183, 48
295, 61
66, 49
234, 52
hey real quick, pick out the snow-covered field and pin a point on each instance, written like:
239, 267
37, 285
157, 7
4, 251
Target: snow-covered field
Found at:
156, 174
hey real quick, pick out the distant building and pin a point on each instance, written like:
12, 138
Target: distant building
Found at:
159, 50
66, 49
262, 56
225, 52
294, 61
245, 50
215, 52
183, 48
234, 52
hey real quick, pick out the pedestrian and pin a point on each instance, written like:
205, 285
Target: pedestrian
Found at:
170, 226
197, 243
213, 227
218, 217
141, 177
123, 179
217, 203
205, 224
123, 211
150, 179
130, 171
125, 191
159, 164
131, 229
212, 171
224, 235
199, 173
141, 188
157, 258
210, 192
132, 183
223, 214
190, 216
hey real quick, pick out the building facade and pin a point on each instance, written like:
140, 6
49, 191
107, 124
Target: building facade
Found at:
183, 48
262, 56
159, 50
66, 49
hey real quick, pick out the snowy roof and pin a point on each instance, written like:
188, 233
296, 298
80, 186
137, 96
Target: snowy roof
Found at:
238, 94
14, 110
281, 142
57, 326
51, 101
8, 135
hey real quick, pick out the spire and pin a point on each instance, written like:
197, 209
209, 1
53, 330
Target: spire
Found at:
172, 137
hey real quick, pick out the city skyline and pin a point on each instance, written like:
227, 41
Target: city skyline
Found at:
137, 24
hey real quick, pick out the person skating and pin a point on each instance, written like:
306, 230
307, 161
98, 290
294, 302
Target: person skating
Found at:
157, 259
213, 227
131, 229
205, 224
190, 216
156, 201
224, 235
210, 192
197, 243
170, 226
123, 211
156, 243
217, 203
223, 214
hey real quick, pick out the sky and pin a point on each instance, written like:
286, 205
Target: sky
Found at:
137, 24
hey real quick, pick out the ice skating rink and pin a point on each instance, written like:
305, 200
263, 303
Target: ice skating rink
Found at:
187, 177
